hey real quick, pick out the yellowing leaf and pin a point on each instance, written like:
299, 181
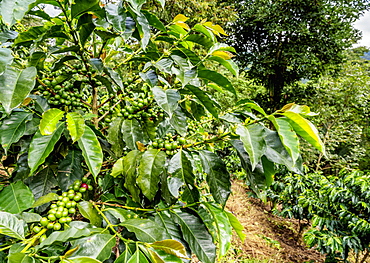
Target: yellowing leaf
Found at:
180, 17
141, 147
215, 28
26, 101
182, 24
70, 252
223, 54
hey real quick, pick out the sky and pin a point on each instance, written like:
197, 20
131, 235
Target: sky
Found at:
363, 24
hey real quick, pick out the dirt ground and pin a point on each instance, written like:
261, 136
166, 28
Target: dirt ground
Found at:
269, 238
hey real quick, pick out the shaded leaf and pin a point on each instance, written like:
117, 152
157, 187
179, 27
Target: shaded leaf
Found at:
197, 236
218, 178
70, 169
81, 6
204, 99
13, 128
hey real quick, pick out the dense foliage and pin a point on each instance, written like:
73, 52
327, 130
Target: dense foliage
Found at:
280, 42
338, 207
108, 140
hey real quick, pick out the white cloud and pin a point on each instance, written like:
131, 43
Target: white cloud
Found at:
363, 24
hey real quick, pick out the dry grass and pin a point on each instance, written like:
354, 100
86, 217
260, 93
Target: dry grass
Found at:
269, 238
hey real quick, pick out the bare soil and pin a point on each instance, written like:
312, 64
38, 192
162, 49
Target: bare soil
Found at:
269, 238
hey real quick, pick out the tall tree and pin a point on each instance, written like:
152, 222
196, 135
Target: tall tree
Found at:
282, 41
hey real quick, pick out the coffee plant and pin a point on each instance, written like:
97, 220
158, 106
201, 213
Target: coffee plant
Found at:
337, 206
111, 143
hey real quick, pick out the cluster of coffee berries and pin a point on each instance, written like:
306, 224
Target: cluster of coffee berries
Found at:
170, 143
140, 105
62, 211
69, 86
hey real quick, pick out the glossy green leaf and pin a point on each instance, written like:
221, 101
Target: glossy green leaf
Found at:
45, 199
81, 6
229, 64
287, 136
204, 99
223, 226
41, 146
237, 226
218, 178
138, 257
11, 226
70, 169
13, 128
76, 230
132, 133
305, 129
130, 164
16, 198
97, 246
15, 85
197, 236
171, 247
181, 173
145, 230
12, 11
88, 211
217, 78
252, 137
49, 120
75, 125
6, 58
169, 226
116, 15
167, 99
91, 151
83, 260
21, 258
29, 217
150, 167
136, 4
206, 32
